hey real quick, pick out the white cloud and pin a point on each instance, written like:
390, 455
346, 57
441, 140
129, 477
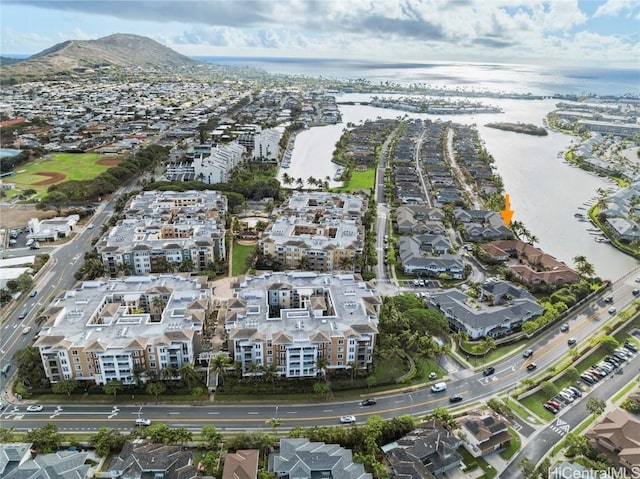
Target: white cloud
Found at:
614, 7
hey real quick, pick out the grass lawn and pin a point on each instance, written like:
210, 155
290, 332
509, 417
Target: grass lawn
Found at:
74, 166
360, 180
239, 258
513, 447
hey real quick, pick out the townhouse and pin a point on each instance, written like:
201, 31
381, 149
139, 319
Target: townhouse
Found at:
117, 329
163, 231
303, 323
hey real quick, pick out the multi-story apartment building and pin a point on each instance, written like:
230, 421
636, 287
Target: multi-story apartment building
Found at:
303, 323
107, 330
217, 165
163, 231
317, 231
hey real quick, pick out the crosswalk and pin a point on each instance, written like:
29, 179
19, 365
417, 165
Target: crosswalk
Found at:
560, 427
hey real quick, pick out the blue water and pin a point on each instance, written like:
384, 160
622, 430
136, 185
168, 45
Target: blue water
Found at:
492, 77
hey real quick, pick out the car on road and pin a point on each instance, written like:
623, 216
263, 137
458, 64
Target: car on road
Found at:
571, 341
564, 328
347, 419
612, 310
638, 279
608, 299
90, 226
33, 293
368, 402
455, 398
531, 366
22, 315
489, 371
635, 292
527, 353
26, 330
35, 408
142, 421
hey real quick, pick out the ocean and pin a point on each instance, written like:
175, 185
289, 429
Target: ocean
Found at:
479, 77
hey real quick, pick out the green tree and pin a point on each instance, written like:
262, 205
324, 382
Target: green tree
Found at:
113, 387
210, 462
576, 444
583, 267
107, 440
571, 374
156, 388
444, 417
7, 434
274, 423
30, 369
548, 389
65, 387
211, 437
596, 406
609, 343
631, 405
45, 439
527, 467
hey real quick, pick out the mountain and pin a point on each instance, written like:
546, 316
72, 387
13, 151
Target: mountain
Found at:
118, 50
9, 61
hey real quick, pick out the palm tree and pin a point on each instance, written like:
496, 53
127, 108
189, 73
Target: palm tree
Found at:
188, 375
270, 374
169, 372
274, 422
219, 362
583, 266
157, 307
321, 366
353, 367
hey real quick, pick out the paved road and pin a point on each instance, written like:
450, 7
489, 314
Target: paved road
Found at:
541, 442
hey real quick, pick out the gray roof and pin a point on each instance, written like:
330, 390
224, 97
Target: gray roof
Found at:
57, 465
301, 459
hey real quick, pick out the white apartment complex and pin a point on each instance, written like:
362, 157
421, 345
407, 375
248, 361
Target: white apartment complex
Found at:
102, 330
299, 321
216, 166
317, 231
164, 231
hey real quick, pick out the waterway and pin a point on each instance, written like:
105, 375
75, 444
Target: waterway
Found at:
545, 191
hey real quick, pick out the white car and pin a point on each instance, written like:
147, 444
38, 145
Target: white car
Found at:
347, 419
143, 422
612, 310
35, 408
26, 330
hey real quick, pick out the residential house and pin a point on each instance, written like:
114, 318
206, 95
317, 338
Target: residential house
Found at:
301, 459
531, 266
19, 461
242, 464
618, 436
418, 258
485, 431
481, 225
51, 229
141, 459
426, 452
500, 310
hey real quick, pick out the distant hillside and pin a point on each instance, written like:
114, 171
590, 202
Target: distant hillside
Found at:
119, 50
9, 61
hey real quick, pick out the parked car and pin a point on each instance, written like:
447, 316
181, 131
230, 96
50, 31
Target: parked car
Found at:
433, 376
489, 371
35, 408
587, 378
141, 421
527, 353
368, 402
455, 398
576, 391
630, 346
553, 403
347, 419
550, 408
531, 366
564, 328
571, 341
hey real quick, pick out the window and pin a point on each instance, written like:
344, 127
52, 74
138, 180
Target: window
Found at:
74, 352
78, 367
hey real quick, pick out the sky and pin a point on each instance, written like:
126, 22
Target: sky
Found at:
603, 33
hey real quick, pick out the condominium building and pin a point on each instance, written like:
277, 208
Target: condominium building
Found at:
317, 231
303, 323
164, 231
113, 330
217, 165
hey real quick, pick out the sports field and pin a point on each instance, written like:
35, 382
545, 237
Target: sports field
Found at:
56, 167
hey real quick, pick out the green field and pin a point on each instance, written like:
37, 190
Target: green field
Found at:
360, 180
74, 166
240, 254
